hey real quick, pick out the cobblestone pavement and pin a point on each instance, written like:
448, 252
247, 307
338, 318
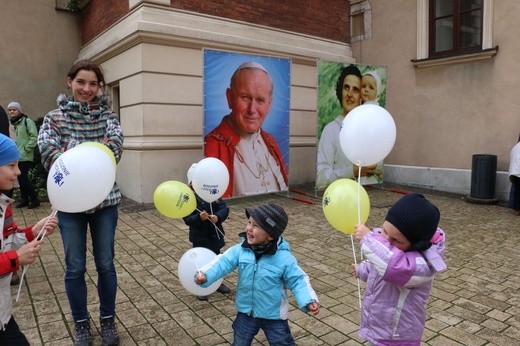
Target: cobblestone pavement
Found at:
475, 302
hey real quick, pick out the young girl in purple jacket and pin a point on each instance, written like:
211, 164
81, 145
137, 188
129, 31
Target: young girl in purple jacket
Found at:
402, 258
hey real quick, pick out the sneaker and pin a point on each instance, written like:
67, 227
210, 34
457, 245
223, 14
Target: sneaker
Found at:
22, 204
223, 289
15, 279
109, 333
202, 298
82, 333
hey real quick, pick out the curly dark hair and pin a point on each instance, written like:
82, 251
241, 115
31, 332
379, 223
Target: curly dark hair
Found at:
348, 70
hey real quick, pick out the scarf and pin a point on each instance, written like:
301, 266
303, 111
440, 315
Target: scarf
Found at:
264, 249
16, 119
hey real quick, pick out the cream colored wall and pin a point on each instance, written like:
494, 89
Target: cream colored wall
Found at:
39, 44
445, 114
155, 57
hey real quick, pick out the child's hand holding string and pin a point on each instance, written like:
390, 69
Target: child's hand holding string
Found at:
49, 222
200, 278
203, 215
314, 308
28, 252
354, 269
360, 230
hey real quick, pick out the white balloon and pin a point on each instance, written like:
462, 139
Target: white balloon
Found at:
189, 264
210, 179
80, 179
367, 134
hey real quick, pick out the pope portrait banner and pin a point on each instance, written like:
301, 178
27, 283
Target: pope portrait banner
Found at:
246, 121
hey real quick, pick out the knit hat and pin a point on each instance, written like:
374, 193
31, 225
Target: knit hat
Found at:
15, 105
8, 150
271, 217
189, 174
416, 218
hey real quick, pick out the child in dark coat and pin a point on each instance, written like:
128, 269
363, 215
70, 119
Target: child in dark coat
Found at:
206, 228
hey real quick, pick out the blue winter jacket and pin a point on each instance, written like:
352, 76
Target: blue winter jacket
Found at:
262, 285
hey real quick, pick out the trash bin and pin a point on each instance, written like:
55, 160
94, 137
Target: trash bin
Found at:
483, 176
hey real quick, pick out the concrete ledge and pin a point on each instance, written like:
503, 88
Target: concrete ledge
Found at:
442, 179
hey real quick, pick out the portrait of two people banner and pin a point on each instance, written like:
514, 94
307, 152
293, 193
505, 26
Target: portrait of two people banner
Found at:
246, 103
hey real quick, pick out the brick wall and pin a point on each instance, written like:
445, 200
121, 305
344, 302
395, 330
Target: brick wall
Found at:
98, 15
328, 19
323, 18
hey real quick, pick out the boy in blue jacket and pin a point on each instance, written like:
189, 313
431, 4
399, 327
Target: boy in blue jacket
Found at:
266, 268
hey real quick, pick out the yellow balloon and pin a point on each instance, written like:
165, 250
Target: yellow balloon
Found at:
104, 148
174, 199
340, 205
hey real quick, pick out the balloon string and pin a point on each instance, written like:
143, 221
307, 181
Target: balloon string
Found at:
193, 254
355, 263
358, 192
358, 206
40, 236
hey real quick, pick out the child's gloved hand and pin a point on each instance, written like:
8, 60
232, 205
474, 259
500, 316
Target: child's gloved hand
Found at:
314, 308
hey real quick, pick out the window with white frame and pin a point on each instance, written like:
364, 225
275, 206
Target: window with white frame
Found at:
454, 30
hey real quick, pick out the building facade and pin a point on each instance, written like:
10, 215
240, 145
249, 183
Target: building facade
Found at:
152, 54
446, 107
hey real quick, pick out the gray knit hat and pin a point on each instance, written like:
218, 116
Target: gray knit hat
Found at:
15, 105
271, 217
416, 218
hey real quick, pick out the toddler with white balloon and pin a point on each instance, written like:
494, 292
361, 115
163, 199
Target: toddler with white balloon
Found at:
266, 269
206, 229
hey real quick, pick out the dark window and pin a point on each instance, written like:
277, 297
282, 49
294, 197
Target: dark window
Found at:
455, 27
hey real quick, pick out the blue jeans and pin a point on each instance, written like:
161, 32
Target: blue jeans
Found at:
246, 327
73, 229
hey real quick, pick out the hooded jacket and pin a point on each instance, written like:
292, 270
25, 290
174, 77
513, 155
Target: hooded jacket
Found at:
26, 136
74, 123
262, 285
398, 286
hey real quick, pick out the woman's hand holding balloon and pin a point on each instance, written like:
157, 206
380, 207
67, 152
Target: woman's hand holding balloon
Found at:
365, 170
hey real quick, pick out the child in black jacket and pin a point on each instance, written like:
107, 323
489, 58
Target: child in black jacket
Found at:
206, 228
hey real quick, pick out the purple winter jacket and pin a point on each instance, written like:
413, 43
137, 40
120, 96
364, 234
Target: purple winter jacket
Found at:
398, 286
